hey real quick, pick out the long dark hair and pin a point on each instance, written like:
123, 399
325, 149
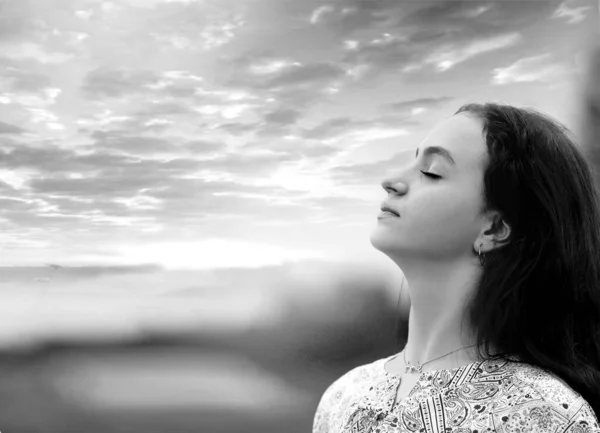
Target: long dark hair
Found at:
539, 295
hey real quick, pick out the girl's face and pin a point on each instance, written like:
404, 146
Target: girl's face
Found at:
439, 217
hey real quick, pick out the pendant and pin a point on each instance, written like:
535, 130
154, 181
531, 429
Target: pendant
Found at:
412, 368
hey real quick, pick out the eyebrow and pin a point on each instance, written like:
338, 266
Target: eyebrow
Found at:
436, 150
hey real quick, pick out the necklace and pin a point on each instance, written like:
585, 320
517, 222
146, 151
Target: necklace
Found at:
419, 366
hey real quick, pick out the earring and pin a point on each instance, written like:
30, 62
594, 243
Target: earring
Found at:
481, 259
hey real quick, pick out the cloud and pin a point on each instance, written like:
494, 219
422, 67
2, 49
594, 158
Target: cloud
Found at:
101, 119
42, 115
467, 19
222, 204
268, 66
330, 128
98, 178
53, 162
76, 201
176, 41
236, 128
318, 13
90, 162
108, 83
22, 80
162, 109
42, 158
277, 122
295, 148
227, 111
165, 98
9, 204
115, 182
122, 141
340, 209
575, 15
68, 38
84, 14
183, 75
203, 147
169, 88
155, 3
189, 112
195, 189
473, 12
529, 69
275, 80
282, 116
220, 211
32, 51
151, 118
41, 100
251, 165
447, 57
358, 129
7, 128
217, 34
413, 105
29, 95
78, 206
311, 73
442, 34
15, 20
6, 187
369, 173
426, 46
173, 105
357, 15
260, 72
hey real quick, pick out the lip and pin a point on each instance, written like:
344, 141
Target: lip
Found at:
386, 209
386, 214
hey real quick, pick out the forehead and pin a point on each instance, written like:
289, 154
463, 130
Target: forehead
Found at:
462, 136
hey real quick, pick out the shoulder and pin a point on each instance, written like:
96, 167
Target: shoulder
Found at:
348, 387
355, 380
544, 400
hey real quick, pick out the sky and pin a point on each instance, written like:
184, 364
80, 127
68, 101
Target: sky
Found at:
217, 133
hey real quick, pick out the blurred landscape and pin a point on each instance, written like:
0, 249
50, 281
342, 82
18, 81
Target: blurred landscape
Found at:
142, 348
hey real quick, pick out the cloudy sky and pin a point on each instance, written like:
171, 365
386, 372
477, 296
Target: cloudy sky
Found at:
200, 133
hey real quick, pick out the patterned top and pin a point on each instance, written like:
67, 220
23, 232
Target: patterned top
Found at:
481, 397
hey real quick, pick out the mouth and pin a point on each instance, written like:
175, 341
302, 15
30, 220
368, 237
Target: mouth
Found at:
387, 209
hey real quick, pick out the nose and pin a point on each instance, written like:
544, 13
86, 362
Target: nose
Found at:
391, 186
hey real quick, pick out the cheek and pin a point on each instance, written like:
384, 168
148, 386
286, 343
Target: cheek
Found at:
445, 210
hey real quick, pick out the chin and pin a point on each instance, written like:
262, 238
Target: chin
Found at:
388, 244
380, 241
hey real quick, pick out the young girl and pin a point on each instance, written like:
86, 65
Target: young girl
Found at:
496, 227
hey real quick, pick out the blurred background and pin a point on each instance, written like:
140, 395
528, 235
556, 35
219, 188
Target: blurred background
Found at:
187, 189
218, 351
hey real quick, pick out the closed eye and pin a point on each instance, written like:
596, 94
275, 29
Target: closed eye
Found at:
433, 176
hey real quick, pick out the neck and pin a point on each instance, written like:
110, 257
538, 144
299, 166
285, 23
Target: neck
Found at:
438, 300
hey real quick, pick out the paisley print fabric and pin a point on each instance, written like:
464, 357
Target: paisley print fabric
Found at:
482, 397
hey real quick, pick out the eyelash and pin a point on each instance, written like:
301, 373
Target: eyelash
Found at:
431, 175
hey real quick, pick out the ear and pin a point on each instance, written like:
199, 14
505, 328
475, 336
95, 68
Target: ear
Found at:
494, 231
